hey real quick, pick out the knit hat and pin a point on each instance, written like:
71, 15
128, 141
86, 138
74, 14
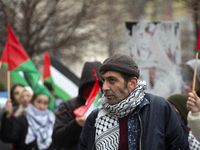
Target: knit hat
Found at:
179, 101
191, 63
121, 63
26, 88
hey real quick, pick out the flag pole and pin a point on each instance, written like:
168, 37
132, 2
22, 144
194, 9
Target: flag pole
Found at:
197, 55
195, 72
0, 64
8, 82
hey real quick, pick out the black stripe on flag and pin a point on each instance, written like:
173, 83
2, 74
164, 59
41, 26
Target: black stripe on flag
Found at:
64, 70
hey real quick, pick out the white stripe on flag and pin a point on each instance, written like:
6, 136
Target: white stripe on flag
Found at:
63, 82
90, 109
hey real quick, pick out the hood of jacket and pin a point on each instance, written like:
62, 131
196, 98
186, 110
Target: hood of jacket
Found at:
87, 77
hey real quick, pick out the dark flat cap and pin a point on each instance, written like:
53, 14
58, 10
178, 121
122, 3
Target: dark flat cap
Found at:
121, 63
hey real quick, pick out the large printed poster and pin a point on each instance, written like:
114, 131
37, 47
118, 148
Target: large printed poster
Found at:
155, 46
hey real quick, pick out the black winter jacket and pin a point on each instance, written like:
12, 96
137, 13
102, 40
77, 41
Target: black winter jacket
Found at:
161, 127
66, 130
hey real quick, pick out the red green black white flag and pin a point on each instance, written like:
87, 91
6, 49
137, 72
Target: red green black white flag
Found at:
65, 83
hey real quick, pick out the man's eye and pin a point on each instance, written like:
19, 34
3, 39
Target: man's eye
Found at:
112, 80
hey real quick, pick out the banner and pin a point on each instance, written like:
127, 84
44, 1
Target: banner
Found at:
155, 46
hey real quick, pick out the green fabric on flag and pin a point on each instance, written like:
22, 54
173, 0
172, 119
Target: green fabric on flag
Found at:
49, 80
5, 65
60, 93
96, 103
33, 80
32, 73
57, 90
18, 78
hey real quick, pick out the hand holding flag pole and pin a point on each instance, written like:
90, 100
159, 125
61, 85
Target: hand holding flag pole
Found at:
197, 55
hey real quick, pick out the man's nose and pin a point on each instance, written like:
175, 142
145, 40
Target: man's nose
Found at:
105, 86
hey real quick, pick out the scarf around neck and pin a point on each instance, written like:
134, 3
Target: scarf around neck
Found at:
107, 124
40, 126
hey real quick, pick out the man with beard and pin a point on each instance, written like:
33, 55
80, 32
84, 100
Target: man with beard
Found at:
130, 118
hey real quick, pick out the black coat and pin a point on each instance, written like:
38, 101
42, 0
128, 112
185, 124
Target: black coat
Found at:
66, 131
161, 127
14, 130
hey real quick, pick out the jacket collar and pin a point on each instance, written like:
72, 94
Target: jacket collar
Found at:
142, 104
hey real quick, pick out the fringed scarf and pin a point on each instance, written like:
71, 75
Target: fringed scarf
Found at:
40, 126
107, 124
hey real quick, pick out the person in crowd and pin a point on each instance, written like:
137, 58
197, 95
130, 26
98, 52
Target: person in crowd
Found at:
32, 130
25, 96
129, 117
58, 101
68, 127
187, 72
178, 101
193, 105
14, 95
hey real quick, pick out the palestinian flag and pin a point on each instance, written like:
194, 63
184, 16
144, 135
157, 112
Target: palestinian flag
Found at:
17, 76
22, 69
92, 102
65, 83
198, 43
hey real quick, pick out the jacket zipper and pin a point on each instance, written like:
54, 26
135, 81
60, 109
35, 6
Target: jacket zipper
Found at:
93, 146
141, 130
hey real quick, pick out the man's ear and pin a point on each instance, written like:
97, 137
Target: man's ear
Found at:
132, 83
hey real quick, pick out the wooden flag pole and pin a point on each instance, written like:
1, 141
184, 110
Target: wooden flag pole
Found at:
195, 72
8, 82
0, 64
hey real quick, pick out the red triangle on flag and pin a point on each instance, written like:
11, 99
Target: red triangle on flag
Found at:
47, 64
16, 53
80, 112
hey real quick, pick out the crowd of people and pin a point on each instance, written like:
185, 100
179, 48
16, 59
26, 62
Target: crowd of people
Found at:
128, 119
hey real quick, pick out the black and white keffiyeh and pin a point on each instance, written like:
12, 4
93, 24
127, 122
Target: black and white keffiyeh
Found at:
40, 126
194, 144
107, 125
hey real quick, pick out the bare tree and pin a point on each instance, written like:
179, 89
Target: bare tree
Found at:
53, 25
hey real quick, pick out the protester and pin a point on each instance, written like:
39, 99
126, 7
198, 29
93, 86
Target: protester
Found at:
193, 105
25, 97
129, 117
14, 95
187, 72
67, 128
32, 131
58, 101
178, 101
